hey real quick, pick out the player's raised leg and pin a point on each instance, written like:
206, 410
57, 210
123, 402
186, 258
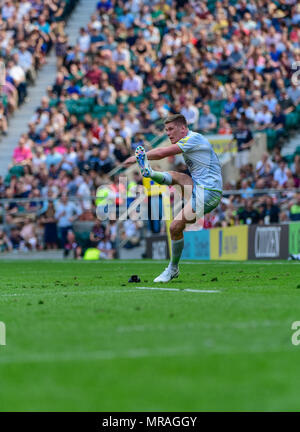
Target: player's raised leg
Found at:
147, 171
164, 178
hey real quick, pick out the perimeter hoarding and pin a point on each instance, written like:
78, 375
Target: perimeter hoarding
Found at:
294, 238
229, 243
196, 245
233, 243
268, 242
157, 247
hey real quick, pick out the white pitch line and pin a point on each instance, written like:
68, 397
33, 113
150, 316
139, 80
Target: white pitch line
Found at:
100, 292
201, 291
128, 290
178, 289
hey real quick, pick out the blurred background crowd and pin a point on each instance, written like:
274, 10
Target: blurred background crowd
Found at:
225, 65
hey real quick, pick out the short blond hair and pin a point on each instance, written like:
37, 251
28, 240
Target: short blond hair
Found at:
178, 118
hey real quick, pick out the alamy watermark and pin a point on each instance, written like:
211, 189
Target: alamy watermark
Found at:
296, 334
185, 202
296, 75
2, 333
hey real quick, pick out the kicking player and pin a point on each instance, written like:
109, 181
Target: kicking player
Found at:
205, 183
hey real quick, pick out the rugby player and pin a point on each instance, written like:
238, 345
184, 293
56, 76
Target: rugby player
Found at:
203, 189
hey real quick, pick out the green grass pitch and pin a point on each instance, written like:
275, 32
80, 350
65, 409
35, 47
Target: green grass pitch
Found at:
81, 338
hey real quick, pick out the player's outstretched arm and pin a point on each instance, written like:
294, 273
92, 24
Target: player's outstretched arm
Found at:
161, 153
156, 154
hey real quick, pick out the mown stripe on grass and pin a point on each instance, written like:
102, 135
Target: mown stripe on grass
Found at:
207, 347
41, 292
95, 355
243, 325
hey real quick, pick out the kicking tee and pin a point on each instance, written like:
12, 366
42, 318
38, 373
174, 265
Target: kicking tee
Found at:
202, 161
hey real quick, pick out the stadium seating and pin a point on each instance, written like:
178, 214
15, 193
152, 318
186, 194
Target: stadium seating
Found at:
204, 52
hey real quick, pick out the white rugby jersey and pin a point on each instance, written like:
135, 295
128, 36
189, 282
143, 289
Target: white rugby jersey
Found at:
202, 161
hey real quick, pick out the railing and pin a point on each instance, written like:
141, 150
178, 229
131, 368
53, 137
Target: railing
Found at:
80, 226
237, 192
36, 211
260, 191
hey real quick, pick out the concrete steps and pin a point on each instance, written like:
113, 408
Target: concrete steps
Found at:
18, 123
291, 146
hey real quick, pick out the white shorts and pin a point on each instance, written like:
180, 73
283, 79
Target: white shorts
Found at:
204, 200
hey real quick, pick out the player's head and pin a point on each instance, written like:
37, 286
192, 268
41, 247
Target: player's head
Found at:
176, 127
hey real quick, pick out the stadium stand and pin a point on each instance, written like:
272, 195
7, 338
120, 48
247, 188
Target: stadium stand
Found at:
27, 32
224, 65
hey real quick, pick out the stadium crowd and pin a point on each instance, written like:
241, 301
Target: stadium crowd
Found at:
252, 205
28, 30
225, 65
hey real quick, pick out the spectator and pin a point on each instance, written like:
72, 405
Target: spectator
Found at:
107, 95
106, 249
246, 189
15, 238
224, 127
26, 61
130, 234
105, 161
244, 140
22, 154
66, 213
133, 84
286, 102
270, 101
28, 235
84, 191
53, 158
71, 245
263, 119
17, 75
97, 234
295, 168
278, 121
280, 174
50, 226
5, 243
262, 164
294, 208
190, 112
207, 120
293, 92
121, 151
248, 215
3, 120
111, 232
270, 212
84, 40
94, 74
